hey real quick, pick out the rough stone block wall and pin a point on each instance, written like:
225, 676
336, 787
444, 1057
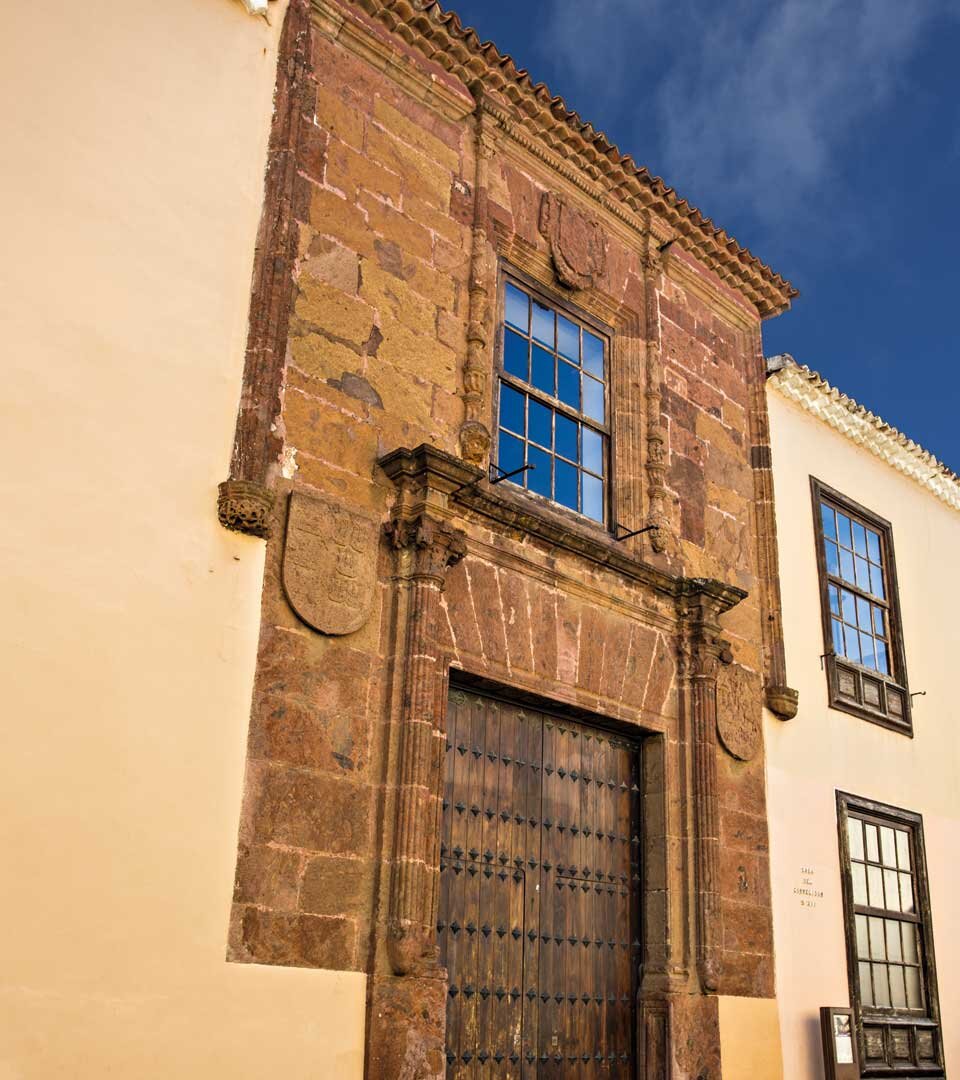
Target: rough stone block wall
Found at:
389, 222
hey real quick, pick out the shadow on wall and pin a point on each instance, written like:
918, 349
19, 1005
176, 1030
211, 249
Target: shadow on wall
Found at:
814, 1047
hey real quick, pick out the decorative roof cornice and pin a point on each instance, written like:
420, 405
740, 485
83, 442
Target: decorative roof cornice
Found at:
811, 391
441, 38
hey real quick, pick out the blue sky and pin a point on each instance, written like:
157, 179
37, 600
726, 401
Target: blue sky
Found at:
823, 134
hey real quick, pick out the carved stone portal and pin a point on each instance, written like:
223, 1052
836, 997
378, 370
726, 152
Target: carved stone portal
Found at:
738, 711
577, 243
329, 564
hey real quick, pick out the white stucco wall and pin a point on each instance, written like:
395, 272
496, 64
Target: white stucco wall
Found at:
132, 158
822, 750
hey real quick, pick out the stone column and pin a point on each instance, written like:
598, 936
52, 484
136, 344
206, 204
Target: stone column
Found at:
656, 466
703, 650
425, 549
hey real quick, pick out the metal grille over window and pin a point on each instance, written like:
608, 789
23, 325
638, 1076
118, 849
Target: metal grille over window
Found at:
889, 930
553, 408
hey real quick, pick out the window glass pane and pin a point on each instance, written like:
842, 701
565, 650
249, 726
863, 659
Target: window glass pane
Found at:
875, 886
866, 986
843, 530
863, 573
592, 450
876, 582
849, 605
511, 409
908, 933
593, 398
903, 850
859, 872
510, 454
565, 432
566, 484
855, 837
518, 307
542, 376
873, 846
833, 559
859, 538
878, 943
568, 338
906, 894
829, 521
592, 354
866, 652
515, 354
864, 614
568, 384
881, 988
863, 946
837, 637
846, 565
878, 627
834, 599
892, 889
538, 478
914, 995
543, 323
873, 545
882, 662
893, 939
540, 423
592, 497
888, 846
852, 646
898, 996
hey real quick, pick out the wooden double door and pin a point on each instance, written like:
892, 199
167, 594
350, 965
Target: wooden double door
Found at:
539, 916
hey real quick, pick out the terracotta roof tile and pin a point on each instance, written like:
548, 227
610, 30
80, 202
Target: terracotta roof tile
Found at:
441, 36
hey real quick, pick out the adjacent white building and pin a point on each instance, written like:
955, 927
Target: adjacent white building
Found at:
863, 785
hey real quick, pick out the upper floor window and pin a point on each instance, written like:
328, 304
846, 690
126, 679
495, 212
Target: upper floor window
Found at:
863, 641
553, 403
892, 972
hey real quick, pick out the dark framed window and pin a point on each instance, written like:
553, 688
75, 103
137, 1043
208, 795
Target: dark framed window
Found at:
863, 640
553, 402
891, 966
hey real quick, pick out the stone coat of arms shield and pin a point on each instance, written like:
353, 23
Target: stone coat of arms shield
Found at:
329, 564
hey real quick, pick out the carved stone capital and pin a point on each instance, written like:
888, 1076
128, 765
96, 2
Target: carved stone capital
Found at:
246, 507
433, 545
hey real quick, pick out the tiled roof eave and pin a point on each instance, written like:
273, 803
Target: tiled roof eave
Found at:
798, 383
440, 37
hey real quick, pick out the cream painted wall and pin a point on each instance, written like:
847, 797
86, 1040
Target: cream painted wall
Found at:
132, 158
749, 1038
822, 750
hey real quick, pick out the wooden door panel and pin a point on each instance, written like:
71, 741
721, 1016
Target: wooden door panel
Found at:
538, 924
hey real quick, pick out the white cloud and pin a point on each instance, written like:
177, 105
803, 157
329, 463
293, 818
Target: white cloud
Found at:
744, 103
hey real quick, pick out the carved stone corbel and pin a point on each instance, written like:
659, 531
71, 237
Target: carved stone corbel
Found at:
425, 549
703, 651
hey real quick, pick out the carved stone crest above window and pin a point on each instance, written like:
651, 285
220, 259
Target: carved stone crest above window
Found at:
577, 244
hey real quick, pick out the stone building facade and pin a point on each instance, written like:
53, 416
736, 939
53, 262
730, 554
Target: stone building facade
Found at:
419, 184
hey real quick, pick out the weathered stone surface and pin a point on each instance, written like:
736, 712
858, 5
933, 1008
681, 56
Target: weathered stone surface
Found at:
392, 342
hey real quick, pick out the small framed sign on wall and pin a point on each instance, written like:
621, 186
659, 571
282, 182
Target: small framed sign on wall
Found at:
839, 1044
